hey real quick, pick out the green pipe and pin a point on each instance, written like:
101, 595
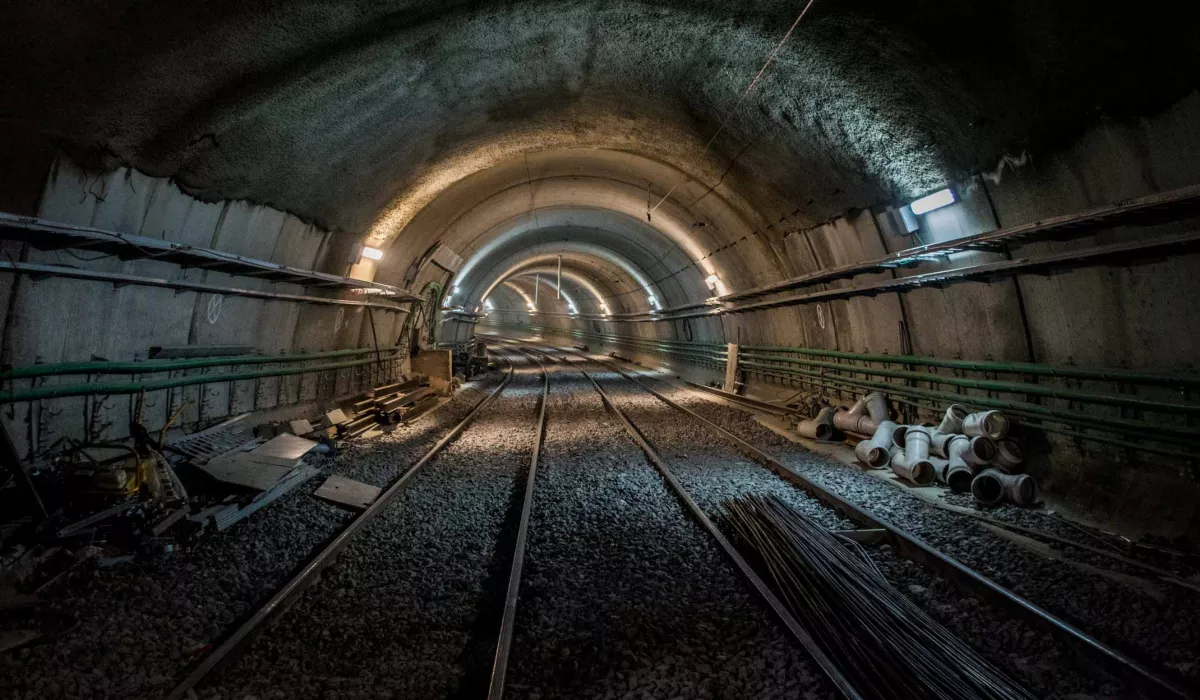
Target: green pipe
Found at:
1111, 375
150, 366
1015, 407
65, 390
822, 380
993, 385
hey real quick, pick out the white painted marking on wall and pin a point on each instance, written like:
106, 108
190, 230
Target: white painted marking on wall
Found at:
820, 317
214, 308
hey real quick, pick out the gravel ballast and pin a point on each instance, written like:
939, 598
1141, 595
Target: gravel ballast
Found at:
624, 596
713, 470
141, 624
396, 615
1106, 599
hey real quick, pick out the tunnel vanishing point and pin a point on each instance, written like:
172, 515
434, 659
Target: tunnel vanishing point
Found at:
232, 216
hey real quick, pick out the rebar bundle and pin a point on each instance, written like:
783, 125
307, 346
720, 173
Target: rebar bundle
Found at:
882, 642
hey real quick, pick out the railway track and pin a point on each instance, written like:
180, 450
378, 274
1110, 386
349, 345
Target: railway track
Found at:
624, 594
738, 477
345, 636
325, 632
484, 565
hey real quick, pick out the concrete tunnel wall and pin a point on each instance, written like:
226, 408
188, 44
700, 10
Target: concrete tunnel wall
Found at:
52, 319
1138, 316
419, 128
1069, 318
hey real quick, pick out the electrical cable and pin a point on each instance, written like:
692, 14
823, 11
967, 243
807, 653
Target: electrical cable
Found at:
732, 110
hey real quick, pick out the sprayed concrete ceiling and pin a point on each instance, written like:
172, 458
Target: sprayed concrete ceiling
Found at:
357, 114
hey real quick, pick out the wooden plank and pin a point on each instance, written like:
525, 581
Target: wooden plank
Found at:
300, 427
348, 492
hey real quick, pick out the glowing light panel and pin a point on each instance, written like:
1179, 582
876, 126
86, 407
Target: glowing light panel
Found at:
937, 200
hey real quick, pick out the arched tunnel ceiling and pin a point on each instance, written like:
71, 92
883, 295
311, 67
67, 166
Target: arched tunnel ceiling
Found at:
359, 114
589, 276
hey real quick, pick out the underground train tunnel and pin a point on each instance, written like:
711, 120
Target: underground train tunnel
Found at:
542, 349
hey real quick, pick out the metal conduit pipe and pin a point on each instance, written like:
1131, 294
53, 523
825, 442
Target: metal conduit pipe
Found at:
1029, 368
53, 392
1063, 416
151, 366
1108, 375
1015, 407
990, 385
819, 428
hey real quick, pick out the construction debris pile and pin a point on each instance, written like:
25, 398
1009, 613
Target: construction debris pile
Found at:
883, 644
967, 452
106, 504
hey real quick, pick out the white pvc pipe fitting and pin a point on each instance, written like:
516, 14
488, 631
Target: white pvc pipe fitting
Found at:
992, 424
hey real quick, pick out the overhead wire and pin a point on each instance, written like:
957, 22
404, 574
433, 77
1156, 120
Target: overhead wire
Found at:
741, 98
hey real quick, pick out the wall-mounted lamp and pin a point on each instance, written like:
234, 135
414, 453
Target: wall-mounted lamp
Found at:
571, 308
937, 200
487, 304
532, 308
604, 308
712, 281
372, 253
653, 302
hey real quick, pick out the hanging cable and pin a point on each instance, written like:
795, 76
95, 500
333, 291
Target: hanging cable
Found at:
740, 99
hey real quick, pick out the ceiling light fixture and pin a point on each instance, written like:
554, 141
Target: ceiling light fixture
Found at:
937, 200
372, 253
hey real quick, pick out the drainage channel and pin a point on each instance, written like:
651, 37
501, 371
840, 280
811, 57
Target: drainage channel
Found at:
366, 561
1095, 654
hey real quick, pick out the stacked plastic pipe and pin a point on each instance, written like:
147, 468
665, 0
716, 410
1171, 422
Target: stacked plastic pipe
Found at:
968, 452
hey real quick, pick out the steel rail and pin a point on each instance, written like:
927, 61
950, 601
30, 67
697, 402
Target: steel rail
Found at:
237, 639
508, 621
1103, 656
756, 582
742, 400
